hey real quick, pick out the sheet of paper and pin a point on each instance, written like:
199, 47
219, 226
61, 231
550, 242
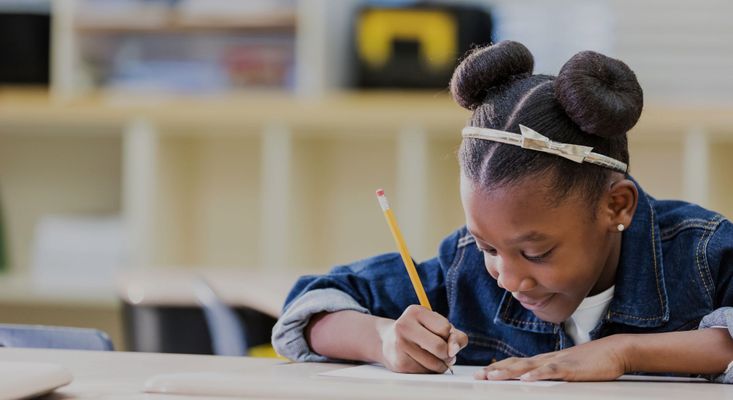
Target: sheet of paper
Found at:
653, 378
463, 374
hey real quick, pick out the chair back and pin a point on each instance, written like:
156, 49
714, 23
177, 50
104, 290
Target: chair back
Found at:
225, 327
54, 337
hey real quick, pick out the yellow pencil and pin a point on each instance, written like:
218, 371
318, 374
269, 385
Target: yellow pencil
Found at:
402, 247
409, 265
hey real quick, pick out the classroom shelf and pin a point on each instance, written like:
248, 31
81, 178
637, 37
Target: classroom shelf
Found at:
345, 113
298, 46
354, 110
172, 23
276, 181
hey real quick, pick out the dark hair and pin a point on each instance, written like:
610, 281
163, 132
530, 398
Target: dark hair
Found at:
593, 101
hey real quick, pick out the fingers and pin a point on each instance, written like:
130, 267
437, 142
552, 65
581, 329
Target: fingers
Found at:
407, 365
426, 340
427, 360
456, 341
548, 371
592, 361
408, 354
509, 368
414, 332
431, 320
451, 340
526, 369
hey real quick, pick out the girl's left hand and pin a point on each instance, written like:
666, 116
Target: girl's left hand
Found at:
599, 360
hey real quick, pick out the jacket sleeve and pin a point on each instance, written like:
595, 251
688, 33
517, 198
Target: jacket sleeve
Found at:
378, 286
720, 262
721, 318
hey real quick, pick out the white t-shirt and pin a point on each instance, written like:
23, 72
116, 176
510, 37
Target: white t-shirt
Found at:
587, 315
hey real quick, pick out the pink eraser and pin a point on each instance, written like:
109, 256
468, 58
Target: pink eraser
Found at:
380, 192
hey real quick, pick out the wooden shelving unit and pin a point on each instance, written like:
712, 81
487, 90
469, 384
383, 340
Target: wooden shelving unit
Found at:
276, 181
218, 169
317, 27
174, 23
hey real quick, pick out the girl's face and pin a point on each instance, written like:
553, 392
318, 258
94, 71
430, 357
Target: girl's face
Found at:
549, 256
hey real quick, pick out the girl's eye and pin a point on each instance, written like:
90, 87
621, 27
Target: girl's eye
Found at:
539, 258
491, 252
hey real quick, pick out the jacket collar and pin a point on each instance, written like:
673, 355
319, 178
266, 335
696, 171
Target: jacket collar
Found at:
640, 296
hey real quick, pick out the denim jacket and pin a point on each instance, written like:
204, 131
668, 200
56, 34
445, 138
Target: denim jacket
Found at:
675, 269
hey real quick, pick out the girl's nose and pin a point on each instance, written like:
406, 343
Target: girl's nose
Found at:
516, 285
512, 279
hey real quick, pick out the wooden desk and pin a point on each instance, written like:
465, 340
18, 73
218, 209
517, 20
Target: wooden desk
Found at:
121, 375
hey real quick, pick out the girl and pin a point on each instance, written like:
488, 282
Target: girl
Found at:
566, 269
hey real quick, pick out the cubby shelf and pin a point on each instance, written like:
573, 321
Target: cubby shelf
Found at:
275, 181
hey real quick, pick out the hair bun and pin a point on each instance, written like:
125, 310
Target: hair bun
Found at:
487, 67
600, 94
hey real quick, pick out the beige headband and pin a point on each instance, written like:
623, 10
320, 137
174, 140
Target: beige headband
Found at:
529, 139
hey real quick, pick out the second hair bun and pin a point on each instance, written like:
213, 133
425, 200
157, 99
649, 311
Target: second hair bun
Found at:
600, 94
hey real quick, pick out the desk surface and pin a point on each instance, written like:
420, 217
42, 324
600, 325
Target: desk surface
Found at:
122, 375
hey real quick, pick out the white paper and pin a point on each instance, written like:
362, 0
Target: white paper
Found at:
656, 378
462, 374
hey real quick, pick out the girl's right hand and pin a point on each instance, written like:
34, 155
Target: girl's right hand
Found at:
420, 341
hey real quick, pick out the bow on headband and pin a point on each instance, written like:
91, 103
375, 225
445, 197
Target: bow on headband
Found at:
530, 139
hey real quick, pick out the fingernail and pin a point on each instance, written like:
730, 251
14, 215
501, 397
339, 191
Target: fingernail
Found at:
480, 375
453, 349
452, 361
526, 377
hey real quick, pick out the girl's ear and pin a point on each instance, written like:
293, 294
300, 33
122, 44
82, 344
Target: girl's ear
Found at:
620, 204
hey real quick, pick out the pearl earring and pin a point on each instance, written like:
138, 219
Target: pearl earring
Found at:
620, 227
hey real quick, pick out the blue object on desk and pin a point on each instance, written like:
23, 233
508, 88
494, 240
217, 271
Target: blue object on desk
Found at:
54, 337
228, 336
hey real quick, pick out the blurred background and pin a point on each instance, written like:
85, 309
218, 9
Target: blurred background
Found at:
151, 150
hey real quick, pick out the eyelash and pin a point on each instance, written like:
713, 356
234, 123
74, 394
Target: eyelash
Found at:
535, 259
538, 259
491, 252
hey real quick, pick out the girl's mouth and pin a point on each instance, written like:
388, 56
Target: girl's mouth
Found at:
533, 304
